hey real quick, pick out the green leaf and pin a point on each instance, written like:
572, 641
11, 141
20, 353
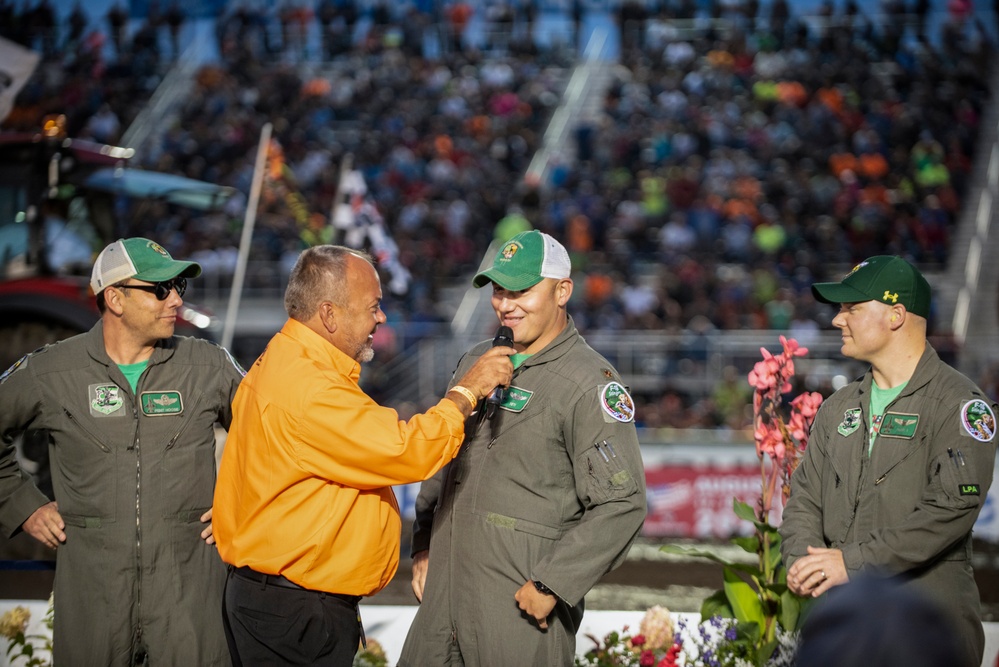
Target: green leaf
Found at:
743, 511
716, 604
774, 557
744, 600
750, 632
683, 551
765, 651
805, 605
790, 607
775, 540
750, 544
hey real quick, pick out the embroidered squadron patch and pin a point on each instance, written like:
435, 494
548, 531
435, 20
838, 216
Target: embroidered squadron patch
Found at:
850, 423
978, 420
617, 402
898, 425
970, 490
515, 399
159, 403
105, 399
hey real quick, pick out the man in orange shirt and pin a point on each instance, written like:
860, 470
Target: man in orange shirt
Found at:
304, 512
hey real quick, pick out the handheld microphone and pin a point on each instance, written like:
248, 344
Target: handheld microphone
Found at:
504, 338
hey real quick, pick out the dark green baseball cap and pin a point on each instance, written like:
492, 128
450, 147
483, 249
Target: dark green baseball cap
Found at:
885, 278
525, 260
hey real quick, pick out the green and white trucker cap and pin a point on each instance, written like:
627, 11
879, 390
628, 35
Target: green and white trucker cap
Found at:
138, 258
884, 278
524, 261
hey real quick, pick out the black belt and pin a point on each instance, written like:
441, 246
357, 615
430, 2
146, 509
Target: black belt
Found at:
246, 572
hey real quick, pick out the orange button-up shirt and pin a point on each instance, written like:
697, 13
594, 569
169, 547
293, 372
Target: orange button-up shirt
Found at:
304, 487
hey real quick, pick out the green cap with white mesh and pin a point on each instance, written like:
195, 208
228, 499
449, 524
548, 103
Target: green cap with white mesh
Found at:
525, 260
138, 258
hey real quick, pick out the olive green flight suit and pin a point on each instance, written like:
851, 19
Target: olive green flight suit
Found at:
551, 489
132, 476
907, 509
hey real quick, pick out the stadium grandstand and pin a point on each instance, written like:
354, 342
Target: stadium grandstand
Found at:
704, 162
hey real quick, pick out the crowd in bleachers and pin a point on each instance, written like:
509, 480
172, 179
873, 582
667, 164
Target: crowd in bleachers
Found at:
730, 167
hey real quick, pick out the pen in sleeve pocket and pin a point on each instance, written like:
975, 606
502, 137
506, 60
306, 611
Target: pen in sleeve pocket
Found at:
597, 446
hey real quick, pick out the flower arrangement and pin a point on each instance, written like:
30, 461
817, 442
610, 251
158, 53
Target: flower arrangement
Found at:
22, 646
655, 644
753, 620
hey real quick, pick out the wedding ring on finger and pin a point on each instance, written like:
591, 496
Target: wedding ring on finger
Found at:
823, 573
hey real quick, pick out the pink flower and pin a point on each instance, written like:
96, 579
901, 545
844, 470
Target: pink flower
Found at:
765, 374
797, 427
807, 404
769, 441
791, 348
782, 439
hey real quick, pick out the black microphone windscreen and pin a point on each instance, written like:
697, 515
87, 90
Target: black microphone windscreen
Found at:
504, 337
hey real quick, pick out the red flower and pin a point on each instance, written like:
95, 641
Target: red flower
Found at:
638, 640
669, 660
647, 659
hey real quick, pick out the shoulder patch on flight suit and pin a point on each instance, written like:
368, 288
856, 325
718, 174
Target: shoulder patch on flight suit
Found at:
105, 399
850, 423
23, 361
232, 359
617, 402
898, 425
978, 420
159, 403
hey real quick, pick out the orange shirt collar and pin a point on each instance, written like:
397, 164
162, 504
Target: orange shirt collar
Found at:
317, 347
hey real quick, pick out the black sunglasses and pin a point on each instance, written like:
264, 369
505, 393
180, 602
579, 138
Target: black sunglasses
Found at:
161, 290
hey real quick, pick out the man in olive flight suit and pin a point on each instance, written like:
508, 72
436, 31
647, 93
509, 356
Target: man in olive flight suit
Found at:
546, 495
898, 463
130, 410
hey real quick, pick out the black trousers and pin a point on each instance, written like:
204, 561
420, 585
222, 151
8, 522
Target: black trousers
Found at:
268, 621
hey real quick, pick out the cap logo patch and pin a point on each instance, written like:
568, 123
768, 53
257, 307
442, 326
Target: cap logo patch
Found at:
156, 247
105, 399
978, 420
510, 250
617, 402
857, 268
889, 295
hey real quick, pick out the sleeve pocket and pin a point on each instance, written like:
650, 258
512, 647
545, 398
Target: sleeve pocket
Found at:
606, 477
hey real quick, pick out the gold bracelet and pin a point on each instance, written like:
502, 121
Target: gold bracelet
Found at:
467, 393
